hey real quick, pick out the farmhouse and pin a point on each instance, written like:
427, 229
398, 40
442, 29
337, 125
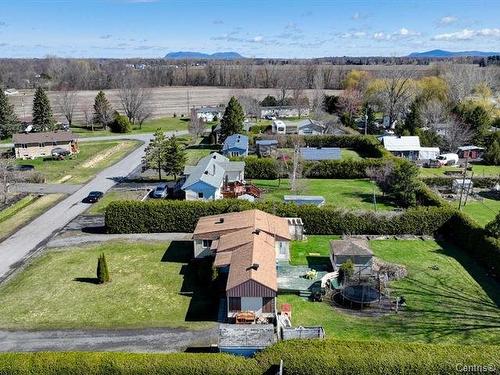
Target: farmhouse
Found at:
207, 114
205, 180
406, 146
305, 127
235, 145
357, 250
320, 153
266, 147
246, 245
35, 145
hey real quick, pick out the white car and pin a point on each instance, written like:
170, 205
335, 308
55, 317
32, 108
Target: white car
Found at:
447, 159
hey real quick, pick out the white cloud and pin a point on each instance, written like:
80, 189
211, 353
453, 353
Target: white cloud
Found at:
352, 34
381, 36
448, 20
257, 39
402, 33
468, 34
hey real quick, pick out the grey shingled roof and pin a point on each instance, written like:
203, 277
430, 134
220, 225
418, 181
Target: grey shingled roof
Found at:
211, 170
353, 246
239, 141
266, 142
320, 153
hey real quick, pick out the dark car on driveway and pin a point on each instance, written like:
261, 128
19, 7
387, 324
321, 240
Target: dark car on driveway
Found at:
93, 197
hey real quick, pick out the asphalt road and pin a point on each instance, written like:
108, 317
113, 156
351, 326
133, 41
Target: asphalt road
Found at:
46, 188
26, 241
131, 340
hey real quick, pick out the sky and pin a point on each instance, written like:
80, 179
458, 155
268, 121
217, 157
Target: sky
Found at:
254, 28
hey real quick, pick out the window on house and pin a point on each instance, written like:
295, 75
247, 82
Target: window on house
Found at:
234, 303
267, 304
200, 195
207, 243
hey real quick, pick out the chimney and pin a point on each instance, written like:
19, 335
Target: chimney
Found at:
221, 220
255, 266
256, 231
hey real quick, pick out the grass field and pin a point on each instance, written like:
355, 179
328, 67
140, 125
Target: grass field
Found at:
165, 124
314, 246
352, 194
194, 155
152, 285
449, 300
91, 159
22, 212
346, 153
478, 169
482, 211
110, 196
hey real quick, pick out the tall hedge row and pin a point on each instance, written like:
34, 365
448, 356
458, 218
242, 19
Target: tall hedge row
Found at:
349, 168
446, 181
470, 237
182, 216
262, 169
301, 357
124, 363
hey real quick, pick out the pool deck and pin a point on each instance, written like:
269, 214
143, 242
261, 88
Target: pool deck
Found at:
291, 278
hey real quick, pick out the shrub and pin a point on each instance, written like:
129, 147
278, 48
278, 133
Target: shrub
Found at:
493, 227
446, 181
125, 363
120, 124
301, 357
350, 168
262, 169
102, 270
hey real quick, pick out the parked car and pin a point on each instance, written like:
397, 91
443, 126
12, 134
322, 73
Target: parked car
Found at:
59, 153
433, 163
447, 159
160, 191
270, 117
93, 197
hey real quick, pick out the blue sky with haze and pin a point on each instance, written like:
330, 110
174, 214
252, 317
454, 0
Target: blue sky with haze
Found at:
151, 28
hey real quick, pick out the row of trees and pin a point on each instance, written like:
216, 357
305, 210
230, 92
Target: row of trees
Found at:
134, 102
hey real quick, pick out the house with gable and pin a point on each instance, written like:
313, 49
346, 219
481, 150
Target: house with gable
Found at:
246, 246
205, 181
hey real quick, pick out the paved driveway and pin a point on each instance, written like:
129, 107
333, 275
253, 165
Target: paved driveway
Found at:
18, 247
131, 340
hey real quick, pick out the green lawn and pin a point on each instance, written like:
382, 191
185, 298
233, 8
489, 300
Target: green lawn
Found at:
346, 153
164, 123
22, 212
482, 211
313, 247
152, 285
194, 155
455, 303
478, 169
100, 206
92, 158
352, 194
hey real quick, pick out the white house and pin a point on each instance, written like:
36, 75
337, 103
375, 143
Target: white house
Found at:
205, 180
405, 146
284, 111
311, 127
208, 114
428, 153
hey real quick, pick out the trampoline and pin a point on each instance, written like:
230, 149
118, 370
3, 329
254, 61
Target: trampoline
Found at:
358, 296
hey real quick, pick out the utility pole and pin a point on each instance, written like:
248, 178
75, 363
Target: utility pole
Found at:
188, 104
295, 167
463, 183
366, 120
469, 187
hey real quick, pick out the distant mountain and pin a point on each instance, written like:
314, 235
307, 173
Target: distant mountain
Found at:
200, 55
442, 53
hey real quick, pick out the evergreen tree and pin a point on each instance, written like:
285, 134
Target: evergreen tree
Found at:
8, 119
103, 113
174, 163
42, 112
493, 227
232, 121
371, 122
156, 153
492, 155
413, 121
269, 101
102, 270
121, 124
404, 183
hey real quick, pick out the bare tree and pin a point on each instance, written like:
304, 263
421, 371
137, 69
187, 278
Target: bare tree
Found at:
196, 125
380, 174
434, 112
319, 93
133, 99
67, 102
461, 79
250, 105
350, 101
396, 92
7, 178
455, 134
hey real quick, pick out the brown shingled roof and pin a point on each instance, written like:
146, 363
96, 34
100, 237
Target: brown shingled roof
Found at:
352, 246
212, 227
43, 137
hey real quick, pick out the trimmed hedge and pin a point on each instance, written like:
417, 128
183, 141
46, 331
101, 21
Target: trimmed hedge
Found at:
349, 168
303, 357
300, 357
261, 169
124, 363
182, 216
473, 239
444, 181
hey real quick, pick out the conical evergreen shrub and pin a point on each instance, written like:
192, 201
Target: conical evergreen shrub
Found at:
102, 270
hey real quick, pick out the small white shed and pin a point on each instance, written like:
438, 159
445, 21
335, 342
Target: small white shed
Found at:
428, 153
459, 185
